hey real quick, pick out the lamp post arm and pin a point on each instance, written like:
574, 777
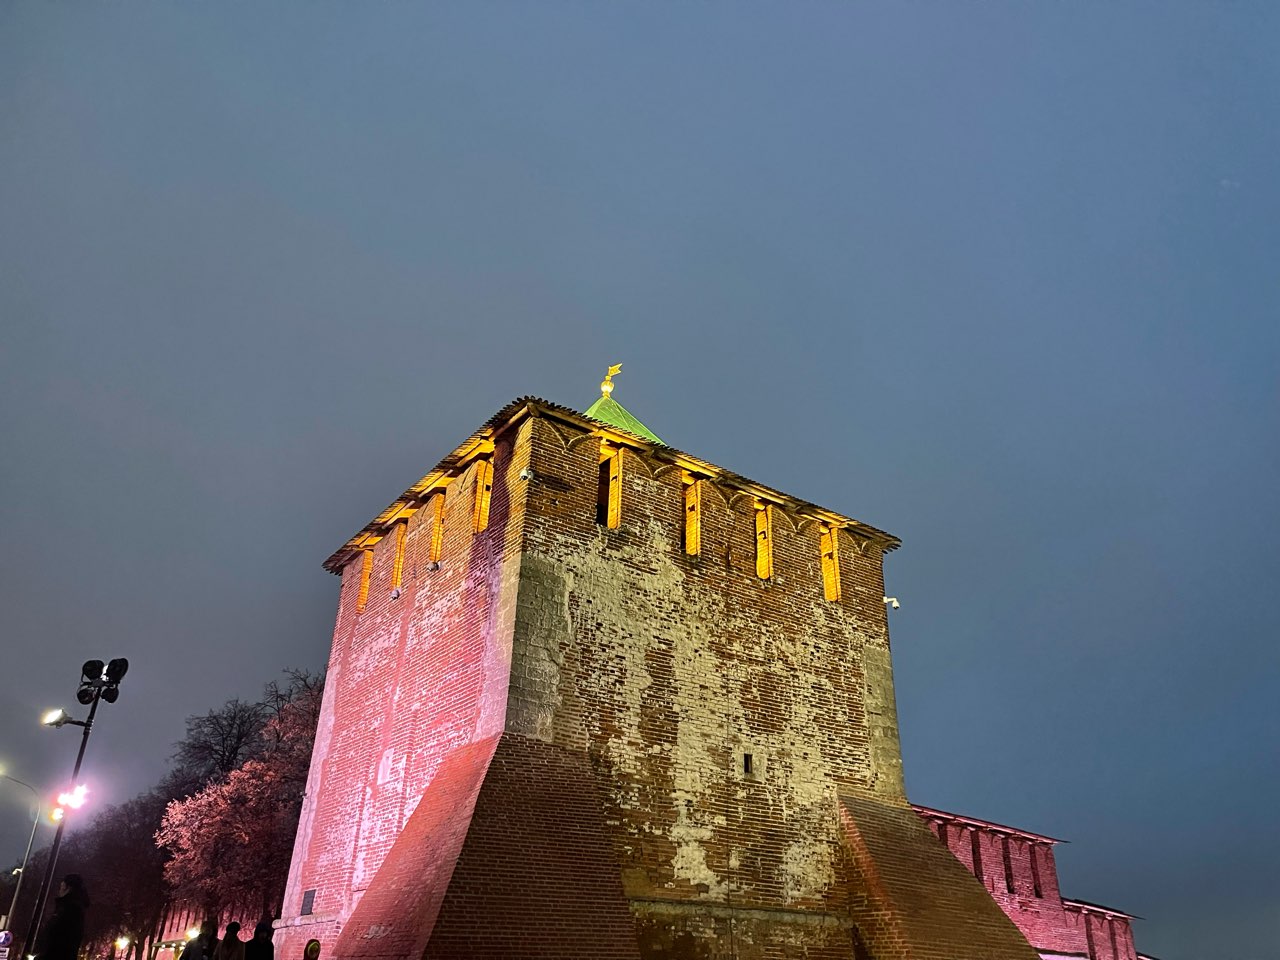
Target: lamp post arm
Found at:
26, 857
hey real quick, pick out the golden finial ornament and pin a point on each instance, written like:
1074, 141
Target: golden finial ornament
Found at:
606, 385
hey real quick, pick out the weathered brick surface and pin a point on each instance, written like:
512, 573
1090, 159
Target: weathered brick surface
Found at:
538, 875
629, 681
668, 669
410, 680
914, 899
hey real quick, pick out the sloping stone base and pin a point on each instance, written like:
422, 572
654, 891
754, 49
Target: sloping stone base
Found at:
505, 857
912, 899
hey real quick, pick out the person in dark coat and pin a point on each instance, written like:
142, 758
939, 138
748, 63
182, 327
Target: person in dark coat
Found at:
202, 947
261, 947
231, 947
60, 939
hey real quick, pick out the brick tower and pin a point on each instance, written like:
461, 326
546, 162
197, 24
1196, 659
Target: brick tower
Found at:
593, 697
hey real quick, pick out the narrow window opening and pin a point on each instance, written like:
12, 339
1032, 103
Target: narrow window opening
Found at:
693, 516
397, 566
366, 569
830, 547
484, 491
437, 528
747, 764
1008, 864
975, 845
942, 832
308, 903
1033, 853
764, 542
602, 494
609, 488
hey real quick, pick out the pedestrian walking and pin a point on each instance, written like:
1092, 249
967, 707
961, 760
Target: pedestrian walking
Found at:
231, 947
261, 947
203, 946
60, 939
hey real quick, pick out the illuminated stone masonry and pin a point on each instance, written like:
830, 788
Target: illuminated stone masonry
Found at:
1019, 872
592, 697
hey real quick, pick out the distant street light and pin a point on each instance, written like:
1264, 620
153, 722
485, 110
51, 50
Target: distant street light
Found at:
21, 872
98, 682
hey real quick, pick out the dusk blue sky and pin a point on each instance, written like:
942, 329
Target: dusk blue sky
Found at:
1001, 279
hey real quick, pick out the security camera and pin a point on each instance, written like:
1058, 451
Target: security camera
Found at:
395, 593
526, 473
433, 565
892, 601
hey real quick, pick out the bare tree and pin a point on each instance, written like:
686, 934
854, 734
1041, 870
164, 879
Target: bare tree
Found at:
216, 743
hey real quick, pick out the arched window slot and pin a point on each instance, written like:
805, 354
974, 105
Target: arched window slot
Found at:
437, 528
609, 487
692, 515
484, 492
764, 541
397, 565
830, 547
366, 570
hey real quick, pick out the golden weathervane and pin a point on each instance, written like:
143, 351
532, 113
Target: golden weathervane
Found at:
606, 385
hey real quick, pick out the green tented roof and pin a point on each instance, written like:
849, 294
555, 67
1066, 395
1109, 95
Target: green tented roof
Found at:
610, 411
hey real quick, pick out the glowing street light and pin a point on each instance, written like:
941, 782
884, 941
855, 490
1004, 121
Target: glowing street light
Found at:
193, 933
21, 872
75, 799
98, 682
122, 943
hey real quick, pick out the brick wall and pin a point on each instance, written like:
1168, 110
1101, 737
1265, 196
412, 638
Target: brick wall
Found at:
1053, 925
540, 749
1106, 934
669, 669
410, 680
914, 900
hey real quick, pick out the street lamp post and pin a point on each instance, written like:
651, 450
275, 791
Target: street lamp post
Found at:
22, 870
97, 683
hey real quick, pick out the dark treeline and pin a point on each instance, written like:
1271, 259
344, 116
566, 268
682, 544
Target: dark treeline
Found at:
216, 831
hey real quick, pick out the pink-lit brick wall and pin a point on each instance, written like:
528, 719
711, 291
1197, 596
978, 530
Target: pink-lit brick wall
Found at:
410, 680
539, 749
1053, 925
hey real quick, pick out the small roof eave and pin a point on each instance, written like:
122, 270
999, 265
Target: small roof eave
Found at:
931, 812
1085, 905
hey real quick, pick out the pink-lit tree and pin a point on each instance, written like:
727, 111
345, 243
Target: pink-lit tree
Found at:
230, 842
